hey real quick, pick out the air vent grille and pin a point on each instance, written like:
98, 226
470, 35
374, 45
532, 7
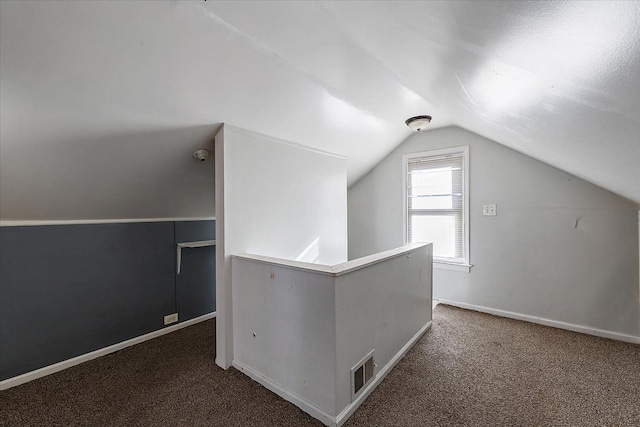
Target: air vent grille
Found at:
361, 374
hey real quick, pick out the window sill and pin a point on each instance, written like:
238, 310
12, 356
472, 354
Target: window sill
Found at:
443, 265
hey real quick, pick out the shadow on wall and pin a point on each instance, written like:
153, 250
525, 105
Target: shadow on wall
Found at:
133, 175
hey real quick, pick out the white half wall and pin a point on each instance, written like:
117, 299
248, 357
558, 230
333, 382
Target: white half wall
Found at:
300, 328
273, 198
560, 249
380, 307
285, 328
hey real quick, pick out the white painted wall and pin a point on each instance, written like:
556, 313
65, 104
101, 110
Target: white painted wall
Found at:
560, 248
273, 198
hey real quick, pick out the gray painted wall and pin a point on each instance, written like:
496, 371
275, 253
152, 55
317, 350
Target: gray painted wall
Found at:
560, 248
66, 290
135, 175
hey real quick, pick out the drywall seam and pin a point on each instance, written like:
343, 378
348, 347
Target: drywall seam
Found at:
546, 322
21, 223
56, 367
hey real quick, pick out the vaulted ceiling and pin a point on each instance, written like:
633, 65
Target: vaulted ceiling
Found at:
95, 95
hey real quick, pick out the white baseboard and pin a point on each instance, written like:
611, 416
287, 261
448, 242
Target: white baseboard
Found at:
546, 322
318, 413
56, 367
301, 403
349, 410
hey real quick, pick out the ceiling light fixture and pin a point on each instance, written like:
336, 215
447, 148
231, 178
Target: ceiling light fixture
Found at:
418, 122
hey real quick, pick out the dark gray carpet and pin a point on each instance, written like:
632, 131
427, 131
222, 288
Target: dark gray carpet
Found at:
471, 369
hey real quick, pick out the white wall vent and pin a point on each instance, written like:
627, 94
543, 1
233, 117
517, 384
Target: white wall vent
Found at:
361, 374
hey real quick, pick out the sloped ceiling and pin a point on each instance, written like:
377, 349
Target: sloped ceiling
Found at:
102, 103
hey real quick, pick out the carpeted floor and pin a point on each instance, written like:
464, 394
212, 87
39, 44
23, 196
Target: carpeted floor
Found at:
471, 369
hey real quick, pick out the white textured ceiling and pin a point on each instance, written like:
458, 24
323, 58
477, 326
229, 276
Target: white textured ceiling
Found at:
559, 81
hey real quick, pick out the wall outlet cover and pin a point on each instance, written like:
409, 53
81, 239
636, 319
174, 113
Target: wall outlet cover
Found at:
170, 318
489, 210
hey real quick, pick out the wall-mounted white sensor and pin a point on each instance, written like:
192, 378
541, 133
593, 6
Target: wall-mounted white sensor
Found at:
200, 155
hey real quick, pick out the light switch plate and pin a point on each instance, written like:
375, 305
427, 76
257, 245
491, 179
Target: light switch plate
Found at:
489, 210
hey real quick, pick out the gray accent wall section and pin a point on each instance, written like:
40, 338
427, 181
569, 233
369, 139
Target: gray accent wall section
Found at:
196, 290
189, 231
560, 248
66, 290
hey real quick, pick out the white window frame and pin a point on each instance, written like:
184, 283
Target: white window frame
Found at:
442, 263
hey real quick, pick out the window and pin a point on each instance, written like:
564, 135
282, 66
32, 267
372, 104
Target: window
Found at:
436, 201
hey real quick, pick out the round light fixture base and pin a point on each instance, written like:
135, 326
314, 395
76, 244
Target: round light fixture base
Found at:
418, 123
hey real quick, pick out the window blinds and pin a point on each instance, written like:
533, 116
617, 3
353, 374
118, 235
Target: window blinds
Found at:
435, 203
